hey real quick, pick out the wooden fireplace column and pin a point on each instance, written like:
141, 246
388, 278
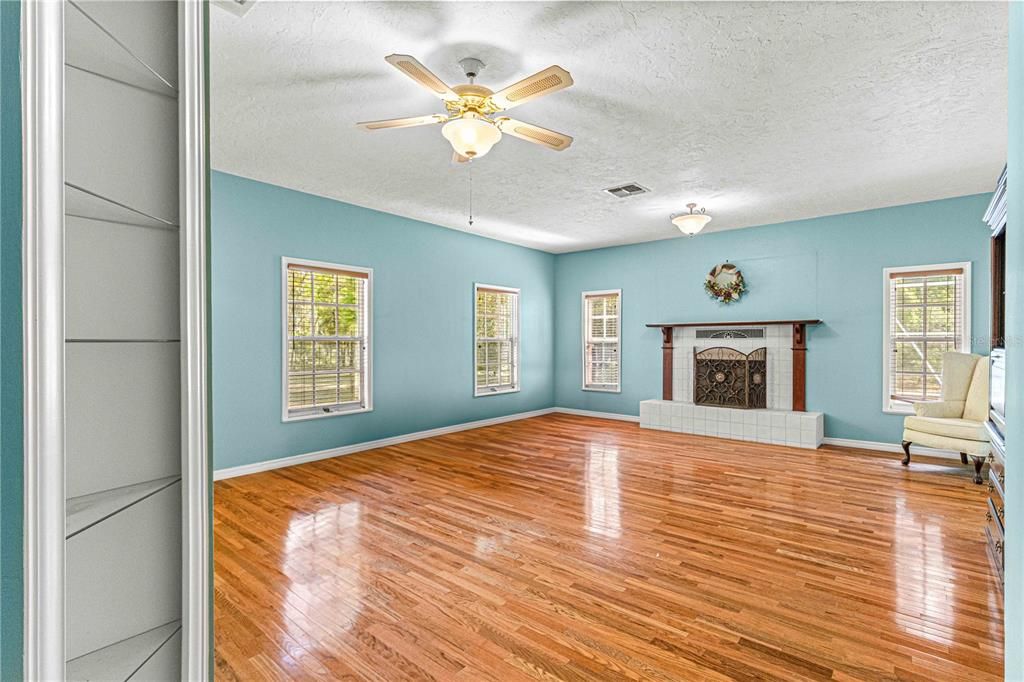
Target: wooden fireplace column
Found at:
666, 363
799, 353
799, 367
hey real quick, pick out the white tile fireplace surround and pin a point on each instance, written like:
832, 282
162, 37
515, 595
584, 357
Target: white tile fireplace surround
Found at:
775, 427
779, 424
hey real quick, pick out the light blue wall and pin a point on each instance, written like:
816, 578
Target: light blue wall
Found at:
10, 345
422, 319
1014, 602
825, 268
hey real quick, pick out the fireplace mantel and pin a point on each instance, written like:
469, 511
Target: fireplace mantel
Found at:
799, 352
759, 323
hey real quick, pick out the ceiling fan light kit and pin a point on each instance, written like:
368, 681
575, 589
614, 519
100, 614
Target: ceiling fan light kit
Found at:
693, 222
470, 125
471, 135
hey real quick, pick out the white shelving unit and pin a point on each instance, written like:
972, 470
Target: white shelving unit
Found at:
123, 397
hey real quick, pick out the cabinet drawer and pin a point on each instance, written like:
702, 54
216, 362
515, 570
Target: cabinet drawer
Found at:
998, 467
994, 537
995, 513
995, 484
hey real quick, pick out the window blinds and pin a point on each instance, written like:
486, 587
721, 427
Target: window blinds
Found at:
926, 319
497, 340
327, 339
601, 366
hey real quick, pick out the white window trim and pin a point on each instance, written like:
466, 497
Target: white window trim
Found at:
477, 393
965, 341
368, 406
583, 337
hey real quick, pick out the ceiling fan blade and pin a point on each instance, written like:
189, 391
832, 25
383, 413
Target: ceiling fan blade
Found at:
551, 79
535, 134
458, 159
402, 122
411, 67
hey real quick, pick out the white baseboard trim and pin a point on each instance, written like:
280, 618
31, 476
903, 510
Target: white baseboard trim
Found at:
282, 462
599, 415
256, 467
891, 447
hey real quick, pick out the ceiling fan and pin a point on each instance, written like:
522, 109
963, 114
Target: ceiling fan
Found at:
471, 125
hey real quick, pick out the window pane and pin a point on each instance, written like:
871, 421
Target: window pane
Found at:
348, 322
349, 289
300, 317
299, 285
911, 384
941, 291
940, 319
325, 288
909, 357
611, 327
909, 291
326, 320
349, 354
300, 356
349, 385
326, 387
326, 355
300, 390
909, 320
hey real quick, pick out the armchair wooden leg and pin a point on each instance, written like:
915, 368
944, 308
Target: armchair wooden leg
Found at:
906, 450
979, 462
963, 458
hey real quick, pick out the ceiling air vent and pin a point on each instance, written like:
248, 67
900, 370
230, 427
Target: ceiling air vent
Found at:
630, 189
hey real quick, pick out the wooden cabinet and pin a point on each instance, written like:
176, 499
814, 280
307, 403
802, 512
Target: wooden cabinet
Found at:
995, 512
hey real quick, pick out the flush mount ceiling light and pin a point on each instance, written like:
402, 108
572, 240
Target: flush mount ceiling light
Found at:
693, 222
470, 126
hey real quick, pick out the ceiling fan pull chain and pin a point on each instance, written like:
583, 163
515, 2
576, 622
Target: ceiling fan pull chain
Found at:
471, 194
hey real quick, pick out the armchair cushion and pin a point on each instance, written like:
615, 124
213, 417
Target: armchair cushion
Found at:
962, 429
957, 372
940, 408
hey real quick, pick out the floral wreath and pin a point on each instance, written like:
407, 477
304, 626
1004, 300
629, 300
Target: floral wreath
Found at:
729, 292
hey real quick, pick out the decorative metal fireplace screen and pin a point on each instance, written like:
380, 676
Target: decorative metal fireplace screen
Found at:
726, 377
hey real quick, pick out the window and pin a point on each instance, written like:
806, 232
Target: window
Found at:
602, 316
927, 313
496, 340
326, 339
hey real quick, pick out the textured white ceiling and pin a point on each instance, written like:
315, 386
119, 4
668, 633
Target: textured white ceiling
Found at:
762, 112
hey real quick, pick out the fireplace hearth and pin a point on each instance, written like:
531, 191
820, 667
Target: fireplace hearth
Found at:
726, 377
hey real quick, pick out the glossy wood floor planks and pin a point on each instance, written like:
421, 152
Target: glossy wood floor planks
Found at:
569, 548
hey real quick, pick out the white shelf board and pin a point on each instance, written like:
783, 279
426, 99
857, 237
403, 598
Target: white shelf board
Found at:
88, 510
121, 660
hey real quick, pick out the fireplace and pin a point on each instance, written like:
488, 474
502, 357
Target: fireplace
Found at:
726, 377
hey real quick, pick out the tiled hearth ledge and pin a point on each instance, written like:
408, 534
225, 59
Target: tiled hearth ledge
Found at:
776, 427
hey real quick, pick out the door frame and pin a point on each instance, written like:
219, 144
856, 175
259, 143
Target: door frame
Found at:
42, 86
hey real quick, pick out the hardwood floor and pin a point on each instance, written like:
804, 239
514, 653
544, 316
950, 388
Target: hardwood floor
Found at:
569, 548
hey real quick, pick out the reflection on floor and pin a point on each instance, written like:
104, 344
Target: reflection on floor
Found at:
569, 548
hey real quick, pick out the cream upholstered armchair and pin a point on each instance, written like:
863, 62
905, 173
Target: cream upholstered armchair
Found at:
957, 422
